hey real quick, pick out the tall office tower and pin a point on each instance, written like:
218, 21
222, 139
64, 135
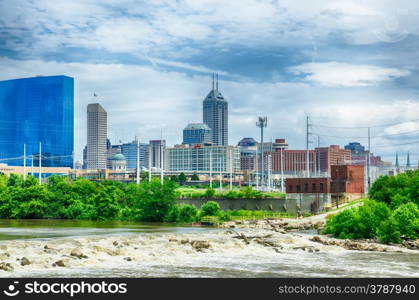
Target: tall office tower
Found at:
215, 115
155, 152
33, 111
96, 136
197, 133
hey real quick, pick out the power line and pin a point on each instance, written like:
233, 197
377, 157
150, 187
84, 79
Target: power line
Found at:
364, 127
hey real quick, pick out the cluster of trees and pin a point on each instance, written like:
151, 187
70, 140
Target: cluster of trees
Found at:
181, 178
62, 198
391, 215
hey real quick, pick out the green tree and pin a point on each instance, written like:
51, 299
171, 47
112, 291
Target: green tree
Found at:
156, 199
388, 231
210, 208
406, 218
195, 177
182, 178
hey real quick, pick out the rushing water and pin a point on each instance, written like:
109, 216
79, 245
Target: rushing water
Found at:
155, 250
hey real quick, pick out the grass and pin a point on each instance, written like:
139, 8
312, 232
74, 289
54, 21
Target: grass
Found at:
188, 192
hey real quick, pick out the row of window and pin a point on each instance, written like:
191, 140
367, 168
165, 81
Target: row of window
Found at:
306, 188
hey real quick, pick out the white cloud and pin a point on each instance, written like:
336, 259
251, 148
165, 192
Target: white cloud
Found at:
141, 100
346, 75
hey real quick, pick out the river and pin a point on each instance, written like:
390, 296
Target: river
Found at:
117, 249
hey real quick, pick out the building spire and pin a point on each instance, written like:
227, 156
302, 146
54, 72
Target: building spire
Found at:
213, 81
397, 160
216, 87
408, 161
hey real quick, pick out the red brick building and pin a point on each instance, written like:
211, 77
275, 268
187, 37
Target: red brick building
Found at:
343, 179
332, 155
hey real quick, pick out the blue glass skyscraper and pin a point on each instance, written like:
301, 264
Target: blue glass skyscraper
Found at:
37, 110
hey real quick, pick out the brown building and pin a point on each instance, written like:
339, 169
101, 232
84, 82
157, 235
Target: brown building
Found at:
308, 185
347, 179
320, 159
344, 179
332, 155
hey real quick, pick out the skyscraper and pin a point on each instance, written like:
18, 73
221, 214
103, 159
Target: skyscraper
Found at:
96, 136
215, 115
197, 133
33, 111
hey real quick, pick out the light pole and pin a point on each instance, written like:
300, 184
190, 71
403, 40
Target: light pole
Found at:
262, 123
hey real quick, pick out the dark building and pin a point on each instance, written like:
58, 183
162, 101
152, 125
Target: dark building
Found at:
343, 179
215, 115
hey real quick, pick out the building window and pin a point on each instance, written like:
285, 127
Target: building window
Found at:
306, 187
298, 188
313, 187
321, 187
290, 188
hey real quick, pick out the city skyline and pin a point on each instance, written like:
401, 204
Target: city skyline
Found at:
343, 64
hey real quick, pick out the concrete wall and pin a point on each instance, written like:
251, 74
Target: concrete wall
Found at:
290, 204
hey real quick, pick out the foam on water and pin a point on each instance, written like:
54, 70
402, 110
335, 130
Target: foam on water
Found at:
163, 255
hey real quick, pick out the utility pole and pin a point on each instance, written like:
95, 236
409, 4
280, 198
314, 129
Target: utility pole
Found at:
221, 175
24, 162
318, 156
307, 146
257, 170
231, 168
262, 123
210, 167
40, 163
149, 162
282, 171
161, 157
368, 161
32, 164
138, 161
269, 172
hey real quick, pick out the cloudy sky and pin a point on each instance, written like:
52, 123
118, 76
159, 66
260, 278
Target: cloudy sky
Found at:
347, 64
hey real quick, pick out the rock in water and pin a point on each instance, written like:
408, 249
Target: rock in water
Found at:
6, 267
77, 253
61, 263
198, 245
24, 261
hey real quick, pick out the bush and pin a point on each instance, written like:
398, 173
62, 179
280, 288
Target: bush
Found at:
210, 208
187, 213
209, 193
344, 225
406, 218
388, 232
370, 216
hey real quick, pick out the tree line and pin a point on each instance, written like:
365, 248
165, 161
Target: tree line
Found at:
391, 214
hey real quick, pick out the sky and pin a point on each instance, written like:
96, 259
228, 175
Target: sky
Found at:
346, 64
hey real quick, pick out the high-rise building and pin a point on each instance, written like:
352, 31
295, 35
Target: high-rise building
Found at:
156, 148
129, 150
33, 111
215, 115
96, 136
197, 133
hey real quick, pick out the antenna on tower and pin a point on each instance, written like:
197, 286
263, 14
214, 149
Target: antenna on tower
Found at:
213, 80
216, 87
